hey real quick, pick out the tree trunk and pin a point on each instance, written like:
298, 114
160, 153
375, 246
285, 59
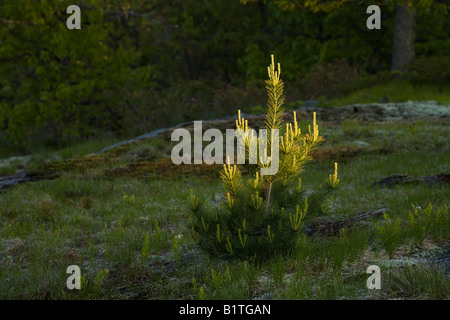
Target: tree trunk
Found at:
404, 37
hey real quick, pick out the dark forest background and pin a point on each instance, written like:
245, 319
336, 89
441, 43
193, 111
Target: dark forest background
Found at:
141, 65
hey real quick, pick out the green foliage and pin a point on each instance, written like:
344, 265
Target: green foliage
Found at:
426, 282
427, 222
390, 233
262, 215
419, 225
219, 278
147, 64
92, 290
159, 238
97, 242
397, 91
177, 247
329, 6
145, 252
199, 292
55, 83
294, 105
257, 110
327, 80
352, 128
435, 69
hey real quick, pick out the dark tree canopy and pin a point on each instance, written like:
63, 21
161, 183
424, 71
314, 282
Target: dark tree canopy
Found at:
139, 65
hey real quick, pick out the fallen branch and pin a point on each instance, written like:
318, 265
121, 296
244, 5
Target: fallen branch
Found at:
14, 179
390, 181
334, 227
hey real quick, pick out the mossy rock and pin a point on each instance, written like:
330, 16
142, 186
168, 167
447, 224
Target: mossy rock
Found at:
54, 169
161, 167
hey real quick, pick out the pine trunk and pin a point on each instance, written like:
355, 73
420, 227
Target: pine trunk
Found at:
404, 37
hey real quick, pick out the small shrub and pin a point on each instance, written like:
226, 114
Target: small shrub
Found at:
262, 216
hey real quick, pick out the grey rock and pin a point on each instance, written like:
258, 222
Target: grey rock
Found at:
384, 99
14, 179
360, 143
310, 103
444, 262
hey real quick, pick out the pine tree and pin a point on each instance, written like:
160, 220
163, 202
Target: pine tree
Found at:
263, 215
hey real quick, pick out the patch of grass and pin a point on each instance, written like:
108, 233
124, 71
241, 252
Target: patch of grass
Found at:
397, 91
390, 233
417, 282
14, 159
130, 233
353, 128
